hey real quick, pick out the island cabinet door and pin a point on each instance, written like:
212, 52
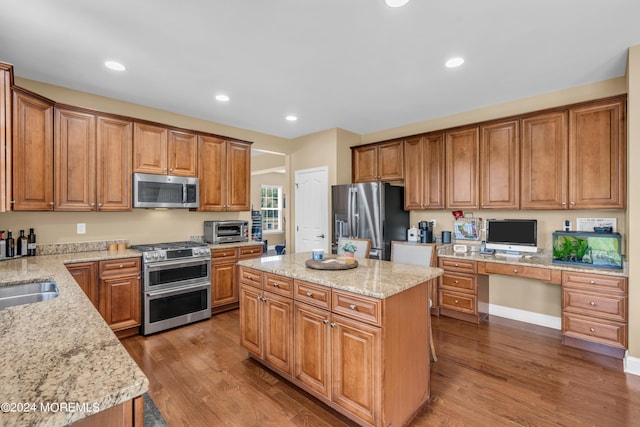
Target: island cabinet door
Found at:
251, 319
313, 348
356, 368
278, 331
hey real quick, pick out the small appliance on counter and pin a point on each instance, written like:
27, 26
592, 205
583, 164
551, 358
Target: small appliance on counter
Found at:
426, 231
227, 231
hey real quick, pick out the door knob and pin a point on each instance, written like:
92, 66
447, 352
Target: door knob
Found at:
321, 236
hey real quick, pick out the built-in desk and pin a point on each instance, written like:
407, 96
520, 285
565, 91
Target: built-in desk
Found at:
594, 300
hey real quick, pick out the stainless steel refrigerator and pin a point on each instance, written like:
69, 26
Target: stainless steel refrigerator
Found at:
371, 210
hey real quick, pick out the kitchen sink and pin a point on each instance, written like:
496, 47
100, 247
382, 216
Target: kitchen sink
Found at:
27, 293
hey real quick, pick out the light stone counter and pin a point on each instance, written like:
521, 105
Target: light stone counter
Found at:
374, 278
60, 351
541, 259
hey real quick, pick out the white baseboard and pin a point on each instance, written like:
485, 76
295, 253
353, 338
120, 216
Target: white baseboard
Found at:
631, 364
526, 316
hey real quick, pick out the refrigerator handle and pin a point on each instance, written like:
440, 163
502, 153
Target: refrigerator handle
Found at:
353, 212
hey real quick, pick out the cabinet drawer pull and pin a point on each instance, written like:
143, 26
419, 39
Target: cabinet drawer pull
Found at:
309, 294
455, 281
249, 277
593, 303
325, 321
456, 264
592, 329
455, 301
592, 282
121, 265
275, 284
515, 270
352, 306
224, 254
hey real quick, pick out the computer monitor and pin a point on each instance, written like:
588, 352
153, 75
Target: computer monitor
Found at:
512, 235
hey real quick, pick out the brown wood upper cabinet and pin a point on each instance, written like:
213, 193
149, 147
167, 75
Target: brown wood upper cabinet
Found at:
92, 168
6, 80
575, 159
225, 174
462, 167
500, 165
378, 162
32, 149
424, 172
597, 156
164, 151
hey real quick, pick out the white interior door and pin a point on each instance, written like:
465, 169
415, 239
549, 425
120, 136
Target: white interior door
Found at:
312, 209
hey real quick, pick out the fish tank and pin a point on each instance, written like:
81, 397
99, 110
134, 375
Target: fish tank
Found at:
587, 249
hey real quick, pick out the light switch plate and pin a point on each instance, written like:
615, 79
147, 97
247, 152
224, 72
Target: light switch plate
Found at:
81, 228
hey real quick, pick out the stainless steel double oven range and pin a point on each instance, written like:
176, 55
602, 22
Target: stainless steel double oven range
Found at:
176, 287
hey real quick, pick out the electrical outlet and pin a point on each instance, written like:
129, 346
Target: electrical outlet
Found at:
81, 228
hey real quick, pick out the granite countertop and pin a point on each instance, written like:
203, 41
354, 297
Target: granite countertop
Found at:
374, 278
60, 351
541, 259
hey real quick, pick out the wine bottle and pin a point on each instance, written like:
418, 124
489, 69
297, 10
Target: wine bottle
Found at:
31, 243
21, 247
11, 245
3, 245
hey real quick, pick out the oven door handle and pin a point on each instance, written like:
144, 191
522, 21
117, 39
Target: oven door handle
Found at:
176, 291
177, 263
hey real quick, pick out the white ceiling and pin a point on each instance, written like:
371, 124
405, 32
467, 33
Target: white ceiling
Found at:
353, 64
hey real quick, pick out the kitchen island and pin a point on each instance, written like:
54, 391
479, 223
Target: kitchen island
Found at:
61, 362
356, 339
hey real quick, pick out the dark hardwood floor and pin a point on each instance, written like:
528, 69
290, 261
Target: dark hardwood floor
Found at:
499, 373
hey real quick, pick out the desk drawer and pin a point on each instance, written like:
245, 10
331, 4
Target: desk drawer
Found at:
309, 293
459, 282
538, 273
451, 264
613, 334
221, 255
251, 277
606, 306
278, 285
459, 302
594, 282
358, 307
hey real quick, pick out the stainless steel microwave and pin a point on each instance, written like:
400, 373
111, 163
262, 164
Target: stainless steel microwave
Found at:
165, 191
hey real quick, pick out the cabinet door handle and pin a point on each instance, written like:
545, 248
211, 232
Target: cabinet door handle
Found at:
99, 205
593, 303
572, 203
333, 325
92, 204
564, 203
592, 329
352, 306
309, 294
325, 321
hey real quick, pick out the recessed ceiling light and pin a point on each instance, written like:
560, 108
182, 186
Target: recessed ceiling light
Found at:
396, 3
291, 118
114, 65
454, 62
222, 98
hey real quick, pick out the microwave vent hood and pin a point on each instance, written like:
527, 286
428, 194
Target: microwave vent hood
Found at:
165, 191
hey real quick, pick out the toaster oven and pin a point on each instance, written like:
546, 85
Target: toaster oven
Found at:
227, 231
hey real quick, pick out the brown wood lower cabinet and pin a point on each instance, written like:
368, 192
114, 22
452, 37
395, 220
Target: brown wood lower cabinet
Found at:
114, 288
224, 278
126, 414
353, 352
595, 312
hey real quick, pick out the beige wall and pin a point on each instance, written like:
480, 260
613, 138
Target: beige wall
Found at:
633, 197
